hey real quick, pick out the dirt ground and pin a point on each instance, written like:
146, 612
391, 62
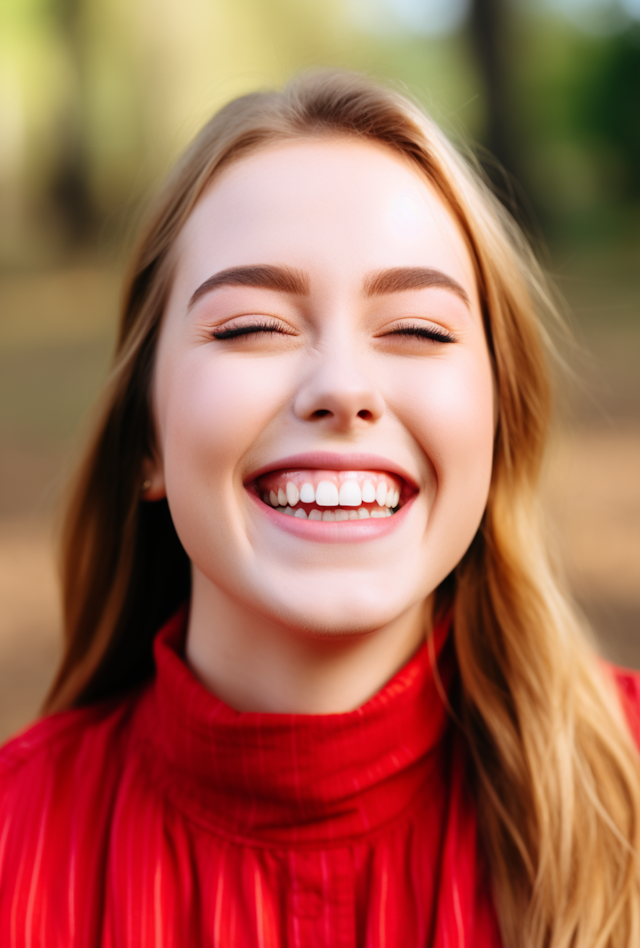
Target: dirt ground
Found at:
53, 359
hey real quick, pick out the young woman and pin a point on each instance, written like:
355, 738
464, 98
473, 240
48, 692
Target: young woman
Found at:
320, 686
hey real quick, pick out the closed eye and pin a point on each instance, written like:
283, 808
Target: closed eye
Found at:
249, 329
420, 331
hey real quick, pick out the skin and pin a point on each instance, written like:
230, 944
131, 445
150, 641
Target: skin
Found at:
283, 622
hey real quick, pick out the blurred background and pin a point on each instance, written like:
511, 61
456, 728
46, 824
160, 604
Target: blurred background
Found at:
98, 97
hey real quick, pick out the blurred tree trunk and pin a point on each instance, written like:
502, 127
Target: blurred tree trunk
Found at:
491, 40
69, 189
487, 28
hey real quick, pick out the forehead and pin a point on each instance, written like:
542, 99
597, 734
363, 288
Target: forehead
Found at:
314, 202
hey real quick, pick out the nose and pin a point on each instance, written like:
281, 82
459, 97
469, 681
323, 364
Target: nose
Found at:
340, 395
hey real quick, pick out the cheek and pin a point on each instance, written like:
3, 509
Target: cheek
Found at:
450, 410
458, 438
210, 412
464, 427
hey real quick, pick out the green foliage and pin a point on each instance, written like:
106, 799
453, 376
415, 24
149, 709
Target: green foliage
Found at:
97, 97
604, 102
578, 126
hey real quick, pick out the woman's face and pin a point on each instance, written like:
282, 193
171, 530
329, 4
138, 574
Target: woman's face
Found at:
323, 391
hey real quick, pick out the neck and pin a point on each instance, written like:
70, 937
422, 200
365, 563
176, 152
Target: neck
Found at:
254, 664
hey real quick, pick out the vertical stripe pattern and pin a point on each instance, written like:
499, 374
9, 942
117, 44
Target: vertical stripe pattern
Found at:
166, 819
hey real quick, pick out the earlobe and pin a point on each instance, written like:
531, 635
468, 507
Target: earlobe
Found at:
152, 487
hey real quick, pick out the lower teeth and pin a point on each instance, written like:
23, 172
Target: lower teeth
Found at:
332, 515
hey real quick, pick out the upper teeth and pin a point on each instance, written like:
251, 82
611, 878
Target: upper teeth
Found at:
326, 494
368, 492
307, 494
293, 494
350, 494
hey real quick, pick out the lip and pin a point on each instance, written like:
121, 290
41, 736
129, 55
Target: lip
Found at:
343, 531
334, 461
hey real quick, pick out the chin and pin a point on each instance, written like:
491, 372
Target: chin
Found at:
342, 612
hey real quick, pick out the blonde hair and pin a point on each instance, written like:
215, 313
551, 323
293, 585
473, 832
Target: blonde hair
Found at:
556, 772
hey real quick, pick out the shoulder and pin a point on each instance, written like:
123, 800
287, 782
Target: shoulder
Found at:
60, 782
62, 763
55, 737
628, 685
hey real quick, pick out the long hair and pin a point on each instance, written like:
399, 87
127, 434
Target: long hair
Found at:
555, 771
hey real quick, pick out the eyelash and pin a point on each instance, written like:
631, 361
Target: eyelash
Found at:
433, 333
420, 332
254, 328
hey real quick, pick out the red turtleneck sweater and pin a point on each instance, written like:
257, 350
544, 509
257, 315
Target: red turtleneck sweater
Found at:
168, 819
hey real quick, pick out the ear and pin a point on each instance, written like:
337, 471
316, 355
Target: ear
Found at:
152, 487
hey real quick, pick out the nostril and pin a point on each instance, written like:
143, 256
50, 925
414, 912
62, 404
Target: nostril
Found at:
366, 414
321, 413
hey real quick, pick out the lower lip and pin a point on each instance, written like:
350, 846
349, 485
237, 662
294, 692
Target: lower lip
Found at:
339, 531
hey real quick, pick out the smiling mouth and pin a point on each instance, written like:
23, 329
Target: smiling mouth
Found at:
332, 495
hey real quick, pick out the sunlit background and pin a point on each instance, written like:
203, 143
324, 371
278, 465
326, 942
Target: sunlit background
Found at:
98, 97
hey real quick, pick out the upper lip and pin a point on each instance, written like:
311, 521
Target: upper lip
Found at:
332, 461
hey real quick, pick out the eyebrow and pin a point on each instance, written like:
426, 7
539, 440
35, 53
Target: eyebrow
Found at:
283, 279
399, 279
288, 280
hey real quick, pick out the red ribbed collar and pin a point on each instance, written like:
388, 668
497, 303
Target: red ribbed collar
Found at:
296, 778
